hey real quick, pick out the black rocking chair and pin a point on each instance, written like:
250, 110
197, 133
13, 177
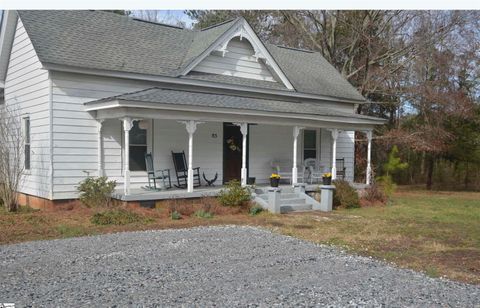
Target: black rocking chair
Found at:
341, 170
181, 170
153, 175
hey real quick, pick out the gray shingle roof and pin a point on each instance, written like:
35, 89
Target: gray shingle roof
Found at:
102, 40
194, 98
235, 80
309, 72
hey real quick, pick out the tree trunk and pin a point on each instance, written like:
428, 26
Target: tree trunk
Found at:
430, 166
466, 179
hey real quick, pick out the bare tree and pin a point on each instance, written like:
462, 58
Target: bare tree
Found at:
11, 156
165, 17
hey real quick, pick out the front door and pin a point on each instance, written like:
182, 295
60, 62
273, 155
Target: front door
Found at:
232, 152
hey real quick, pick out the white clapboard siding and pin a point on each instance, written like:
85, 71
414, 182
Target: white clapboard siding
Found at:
75, 135
238, 61
267, 143
345, 149
27, 92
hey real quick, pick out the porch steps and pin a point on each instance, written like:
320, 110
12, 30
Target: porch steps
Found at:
290, 201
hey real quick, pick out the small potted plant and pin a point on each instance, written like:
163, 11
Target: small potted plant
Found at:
327, 178
274, 180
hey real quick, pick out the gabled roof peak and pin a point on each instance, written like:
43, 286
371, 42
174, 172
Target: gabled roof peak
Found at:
222, 23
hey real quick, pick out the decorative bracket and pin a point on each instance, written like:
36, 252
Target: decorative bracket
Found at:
100, 124
296, 131
335, 133
369, 134
243, 128
191, 126
127, 123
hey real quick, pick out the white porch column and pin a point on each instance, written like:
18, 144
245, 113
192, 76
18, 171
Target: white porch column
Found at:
296, 131
127, 126
369, 157
244, 131
100, 149
334, 153
191, 127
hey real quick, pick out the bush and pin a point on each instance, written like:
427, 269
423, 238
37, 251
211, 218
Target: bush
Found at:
182, 207
175, 215
374, 193
115, 217
345, 195
203, 214
234, 194
255, 210
96, 192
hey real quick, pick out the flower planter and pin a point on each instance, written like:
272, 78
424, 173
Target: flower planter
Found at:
327, 180
274, 182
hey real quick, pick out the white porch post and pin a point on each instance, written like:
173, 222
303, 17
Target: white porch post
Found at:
334, 153
369, 157
244, 131
296, 131
127, 126
100, 149
191, 127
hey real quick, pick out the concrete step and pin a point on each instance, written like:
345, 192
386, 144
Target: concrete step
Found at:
292, 201
288, 195
286, 208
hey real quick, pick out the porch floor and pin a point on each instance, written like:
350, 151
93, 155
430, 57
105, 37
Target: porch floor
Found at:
142, 194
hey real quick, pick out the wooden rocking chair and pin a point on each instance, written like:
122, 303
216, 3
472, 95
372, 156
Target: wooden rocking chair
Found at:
181, 170
153, 175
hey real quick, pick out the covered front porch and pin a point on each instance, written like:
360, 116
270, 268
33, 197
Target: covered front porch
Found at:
263, 141
141, 194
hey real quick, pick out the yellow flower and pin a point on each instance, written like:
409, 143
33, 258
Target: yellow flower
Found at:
327, 175
275, 176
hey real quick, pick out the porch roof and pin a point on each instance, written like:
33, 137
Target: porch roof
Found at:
163, 98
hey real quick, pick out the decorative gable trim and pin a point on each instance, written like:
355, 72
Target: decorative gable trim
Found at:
242, 29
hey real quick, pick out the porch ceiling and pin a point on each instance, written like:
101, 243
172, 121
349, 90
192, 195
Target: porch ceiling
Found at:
193, 105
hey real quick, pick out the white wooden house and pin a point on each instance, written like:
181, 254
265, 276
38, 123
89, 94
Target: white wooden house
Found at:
99, 90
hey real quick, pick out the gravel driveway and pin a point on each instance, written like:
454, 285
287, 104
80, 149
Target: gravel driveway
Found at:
222, 266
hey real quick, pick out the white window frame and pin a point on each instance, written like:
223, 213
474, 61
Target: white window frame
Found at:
317, 143
149, 146
27, 141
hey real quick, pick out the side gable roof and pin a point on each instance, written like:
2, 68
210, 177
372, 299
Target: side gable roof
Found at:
102, 40
310, 72
106, 41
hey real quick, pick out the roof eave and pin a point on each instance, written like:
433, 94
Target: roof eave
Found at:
105, 104
199, 83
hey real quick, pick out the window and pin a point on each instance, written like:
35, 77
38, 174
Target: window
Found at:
309, 144
138, 147
26, 126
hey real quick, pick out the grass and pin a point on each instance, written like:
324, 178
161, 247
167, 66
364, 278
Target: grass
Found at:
434, 232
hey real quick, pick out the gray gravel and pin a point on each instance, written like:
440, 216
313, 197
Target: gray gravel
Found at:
215, 266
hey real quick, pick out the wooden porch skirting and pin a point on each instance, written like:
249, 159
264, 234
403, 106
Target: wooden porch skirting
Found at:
139, 196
